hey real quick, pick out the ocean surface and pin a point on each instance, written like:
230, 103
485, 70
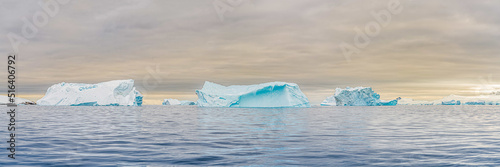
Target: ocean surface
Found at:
190, 136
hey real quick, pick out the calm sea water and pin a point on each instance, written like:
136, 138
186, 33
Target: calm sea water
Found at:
322, 136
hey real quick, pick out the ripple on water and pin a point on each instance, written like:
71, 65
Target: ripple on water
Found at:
323, 136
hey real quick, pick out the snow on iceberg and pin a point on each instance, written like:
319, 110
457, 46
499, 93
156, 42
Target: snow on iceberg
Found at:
174, 102
359, 96
112, 93
273, 94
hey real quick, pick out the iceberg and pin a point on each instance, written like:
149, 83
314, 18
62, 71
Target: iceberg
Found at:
174, 102
359, 96
112, 93
272, 94
329, 101
171, 102
450, 103
4, 100
470, 100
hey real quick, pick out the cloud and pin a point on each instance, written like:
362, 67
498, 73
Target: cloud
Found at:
424, 52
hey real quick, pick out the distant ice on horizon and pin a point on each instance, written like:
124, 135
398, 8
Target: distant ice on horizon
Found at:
493, 99
175, 102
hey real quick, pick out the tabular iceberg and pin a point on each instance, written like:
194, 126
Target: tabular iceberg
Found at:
359, 96
112, 93
175, 102
273, 94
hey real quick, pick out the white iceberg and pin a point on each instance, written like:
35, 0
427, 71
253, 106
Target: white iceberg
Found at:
359, 96
5, 99
112, 93
329, 101
273, 94
174, 102
171, 102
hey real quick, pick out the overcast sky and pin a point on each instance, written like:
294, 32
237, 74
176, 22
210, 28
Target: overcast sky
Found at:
429, 49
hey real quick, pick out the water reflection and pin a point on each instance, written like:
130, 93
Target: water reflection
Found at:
187, 135
264, 136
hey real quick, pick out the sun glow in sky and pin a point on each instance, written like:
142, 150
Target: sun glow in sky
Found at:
429, 49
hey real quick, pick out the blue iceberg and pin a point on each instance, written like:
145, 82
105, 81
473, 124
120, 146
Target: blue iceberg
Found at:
273, 94
451, 103
359, 96
112, 93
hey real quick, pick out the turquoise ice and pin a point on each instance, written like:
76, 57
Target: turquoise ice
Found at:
359, 96
272, 94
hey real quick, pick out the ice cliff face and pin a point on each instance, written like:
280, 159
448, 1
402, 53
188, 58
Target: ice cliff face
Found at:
112, 93
273, 94
359, 96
